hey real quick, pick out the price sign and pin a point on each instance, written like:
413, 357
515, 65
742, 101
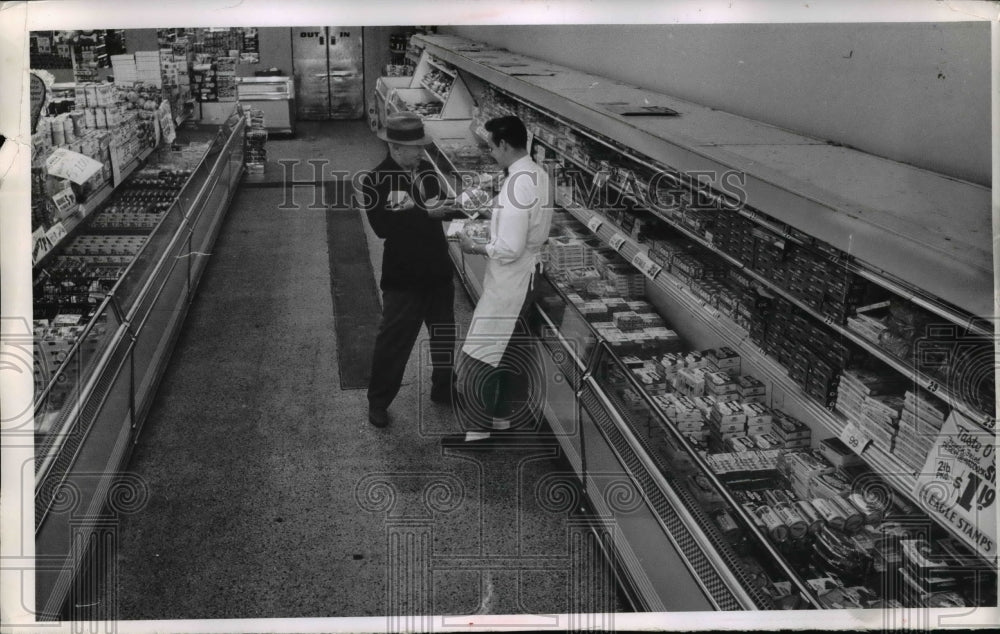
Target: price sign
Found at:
167, 122
617, 241
72, 166
594, 223
40, 244
649, 268
957, 485
853, 437
56, 233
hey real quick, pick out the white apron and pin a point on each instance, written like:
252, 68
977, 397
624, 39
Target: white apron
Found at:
505, 286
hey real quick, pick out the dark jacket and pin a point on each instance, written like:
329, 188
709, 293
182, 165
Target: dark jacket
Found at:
416, 250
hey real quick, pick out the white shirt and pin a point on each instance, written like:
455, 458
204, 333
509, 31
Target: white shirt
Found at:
523, 213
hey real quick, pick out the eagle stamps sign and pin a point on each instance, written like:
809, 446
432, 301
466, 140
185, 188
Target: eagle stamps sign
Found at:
957, 485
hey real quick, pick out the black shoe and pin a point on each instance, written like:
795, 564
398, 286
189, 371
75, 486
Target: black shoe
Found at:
378, 416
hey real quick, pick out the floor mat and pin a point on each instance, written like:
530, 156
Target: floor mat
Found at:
355, 301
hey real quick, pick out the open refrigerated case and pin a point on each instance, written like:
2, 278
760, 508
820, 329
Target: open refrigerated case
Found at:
110, 300
843, 462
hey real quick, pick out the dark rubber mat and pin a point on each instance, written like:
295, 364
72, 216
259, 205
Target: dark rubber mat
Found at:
355, 303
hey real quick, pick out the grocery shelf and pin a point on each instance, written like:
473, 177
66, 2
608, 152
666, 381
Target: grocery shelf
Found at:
72, 222
974, 324
433, 92
985, 420
902, 478
440, 67
911, 223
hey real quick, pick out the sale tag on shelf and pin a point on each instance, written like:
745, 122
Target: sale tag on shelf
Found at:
957, 485
649, 268
617, 241
854, 438
40, 244
72, 166
594, 223
166, 121
56, 233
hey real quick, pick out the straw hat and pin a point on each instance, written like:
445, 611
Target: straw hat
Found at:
404, 128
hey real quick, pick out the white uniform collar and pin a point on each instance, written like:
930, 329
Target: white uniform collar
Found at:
521, 164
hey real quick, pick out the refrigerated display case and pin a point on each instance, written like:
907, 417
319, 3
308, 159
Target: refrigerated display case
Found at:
825, 328
435, 91
143, 254
274, 96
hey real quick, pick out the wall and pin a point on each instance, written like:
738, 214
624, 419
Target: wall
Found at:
918, 93
275, 45
376, 52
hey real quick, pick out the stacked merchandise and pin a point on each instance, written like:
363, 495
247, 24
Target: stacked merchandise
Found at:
430, 109
106, 120
873, 401
225, 78
140, 67
809, 274
72, 285
46, 50
139, 205
397, 70
255, 155
919, 425
54, 339
203, 82
566, 253
438, 82
803, 347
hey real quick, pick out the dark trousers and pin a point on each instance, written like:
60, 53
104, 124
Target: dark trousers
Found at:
514, 389
404, 311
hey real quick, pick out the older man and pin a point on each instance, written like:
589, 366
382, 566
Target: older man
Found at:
401, 197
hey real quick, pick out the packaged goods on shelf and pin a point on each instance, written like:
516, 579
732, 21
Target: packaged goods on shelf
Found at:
839, 454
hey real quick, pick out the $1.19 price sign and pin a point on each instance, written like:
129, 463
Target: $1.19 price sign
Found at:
957, 485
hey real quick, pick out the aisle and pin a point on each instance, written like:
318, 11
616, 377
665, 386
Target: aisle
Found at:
272, 496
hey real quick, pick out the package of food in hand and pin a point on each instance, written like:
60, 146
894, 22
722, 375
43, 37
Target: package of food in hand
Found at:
473, 199
478, 230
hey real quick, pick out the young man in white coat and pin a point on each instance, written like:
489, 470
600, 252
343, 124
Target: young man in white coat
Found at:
498, 345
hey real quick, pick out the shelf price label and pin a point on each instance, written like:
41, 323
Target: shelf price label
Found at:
649, 268
854, 438
617, 241
40, 245
957, 485
595, 223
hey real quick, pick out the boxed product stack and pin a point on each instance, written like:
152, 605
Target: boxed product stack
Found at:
791, 432
722, 386
147, 68
567, 253
255, 154
867, 399
931, 573
225, 78
727, 420
627, 281
751, 389
203, 86
758, 420
800, 467
124, 69
919, 426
